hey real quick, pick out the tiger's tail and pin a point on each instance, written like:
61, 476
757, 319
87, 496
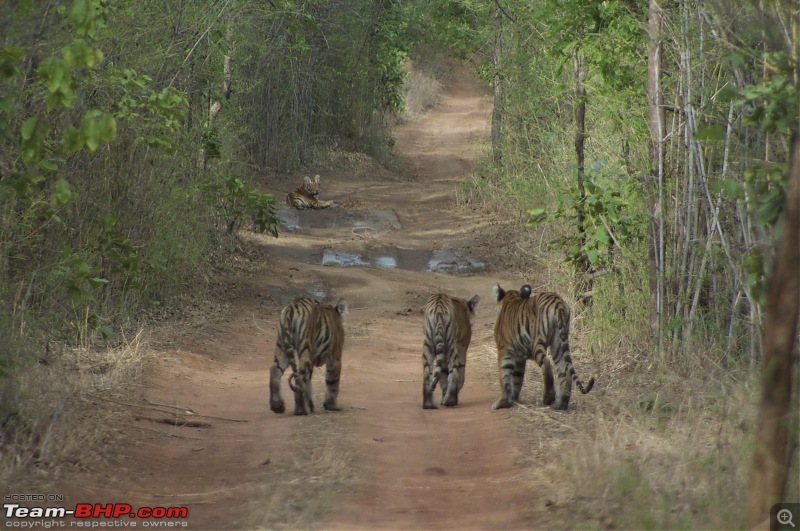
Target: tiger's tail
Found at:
577, 381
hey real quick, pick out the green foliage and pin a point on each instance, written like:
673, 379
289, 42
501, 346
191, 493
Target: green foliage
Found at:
235, 200
609, 217
319, 70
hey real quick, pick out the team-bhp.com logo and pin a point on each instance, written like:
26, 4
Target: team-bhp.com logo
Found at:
89, 514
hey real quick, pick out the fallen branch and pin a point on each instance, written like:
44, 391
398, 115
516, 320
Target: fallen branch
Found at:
152, 405
177, 421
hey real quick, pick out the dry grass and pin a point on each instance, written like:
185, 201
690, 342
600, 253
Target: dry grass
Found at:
658, 443
422, 91
664, 460
52, 412
299, 495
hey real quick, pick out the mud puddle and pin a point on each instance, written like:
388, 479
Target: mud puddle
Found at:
371, 224
439, 261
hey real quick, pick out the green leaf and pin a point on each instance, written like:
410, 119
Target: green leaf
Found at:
537, 216
49, 164
56, 73
28, 128
711, 132
62, 193
81, 54
601, 236
593, 255
75, 294
727, 93
731, 188
10, 59
677, 322
81, 15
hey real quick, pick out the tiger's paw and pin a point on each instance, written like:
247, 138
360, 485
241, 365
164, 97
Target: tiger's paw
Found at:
549, 398
331, 405
450, 401
301, 411
277, 406
562, 403
502, 403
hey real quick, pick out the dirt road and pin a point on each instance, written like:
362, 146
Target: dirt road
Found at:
383, 462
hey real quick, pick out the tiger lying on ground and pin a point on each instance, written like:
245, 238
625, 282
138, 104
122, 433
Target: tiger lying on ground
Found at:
305, 197
526, 326
448, 330
309, 334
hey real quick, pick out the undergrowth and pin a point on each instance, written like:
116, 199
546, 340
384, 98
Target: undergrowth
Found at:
660, 442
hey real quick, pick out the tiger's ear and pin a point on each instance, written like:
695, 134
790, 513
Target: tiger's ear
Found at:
473, 303
316, 179
307, 180
341, 307
525, 291
499, 292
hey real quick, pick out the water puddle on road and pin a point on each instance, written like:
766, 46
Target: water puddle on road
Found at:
369, 227
342, 259
439, 260
370, 224
445, 261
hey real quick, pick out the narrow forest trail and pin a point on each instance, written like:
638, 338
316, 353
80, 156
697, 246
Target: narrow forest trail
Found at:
383, 462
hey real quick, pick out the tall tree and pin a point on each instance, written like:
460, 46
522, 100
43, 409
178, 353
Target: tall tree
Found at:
656, 123
768, 479
497, 60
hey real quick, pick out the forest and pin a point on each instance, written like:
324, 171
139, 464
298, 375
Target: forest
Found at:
648, 154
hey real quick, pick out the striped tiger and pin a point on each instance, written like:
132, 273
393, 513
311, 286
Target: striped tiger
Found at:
526, 326
309, 334
305, 197
448, 330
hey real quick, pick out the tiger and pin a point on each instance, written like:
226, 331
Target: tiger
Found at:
305, 197
310, 333
448, 330
526, 326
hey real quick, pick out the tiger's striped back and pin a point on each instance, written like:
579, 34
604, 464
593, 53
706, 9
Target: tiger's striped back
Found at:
527, 325
305, 197
310, 334
448, 331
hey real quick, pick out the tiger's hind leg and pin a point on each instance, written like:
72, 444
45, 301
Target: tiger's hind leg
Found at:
455, 381
506, 364
301, 387
309, 392
549, 383
333, 372
562, 360
428, 383
282, 361
302, 382
518, 377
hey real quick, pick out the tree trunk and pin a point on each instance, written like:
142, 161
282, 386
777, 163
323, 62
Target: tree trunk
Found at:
216, 106
768, 474
497, 111
656, 123
580, 136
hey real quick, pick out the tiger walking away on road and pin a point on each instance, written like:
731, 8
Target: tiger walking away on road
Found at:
310, 333
305, 197
526, 326
448, 330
